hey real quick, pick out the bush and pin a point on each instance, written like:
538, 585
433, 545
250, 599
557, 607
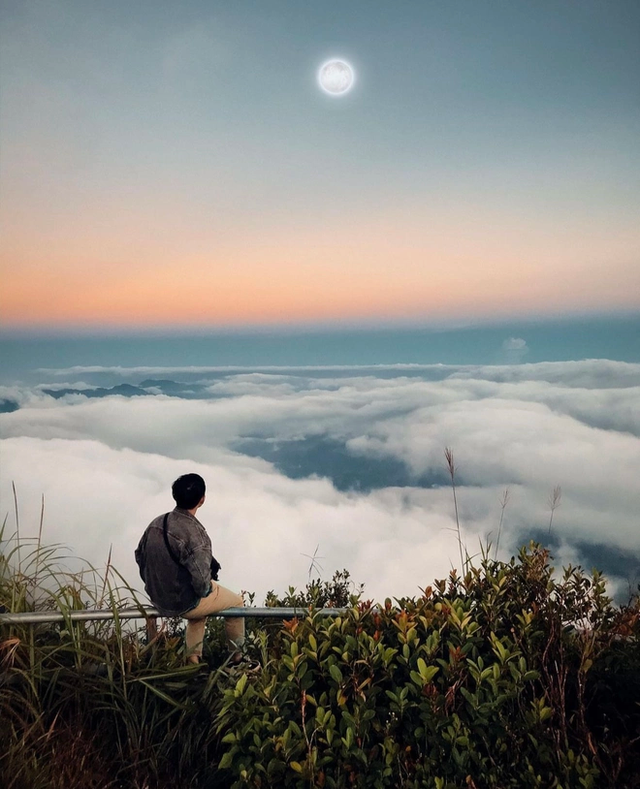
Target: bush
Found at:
503, 678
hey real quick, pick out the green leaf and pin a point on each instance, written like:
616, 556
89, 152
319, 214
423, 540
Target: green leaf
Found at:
417, 678
241, 684
336, 674
469, 697
296, 766
163, 696
295, 728
226, 761
430, 673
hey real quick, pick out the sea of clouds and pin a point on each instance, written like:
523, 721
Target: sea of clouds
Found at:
346, 463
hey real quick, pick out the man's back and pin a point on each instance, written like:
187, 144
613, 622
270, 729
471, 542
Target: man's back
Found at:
175, 586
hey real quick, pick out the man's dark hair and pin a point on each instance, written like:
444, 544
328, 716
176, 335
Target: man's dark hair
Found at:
187, 491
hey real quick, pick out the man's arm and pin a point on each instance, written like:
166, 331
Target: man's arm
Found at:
197, 561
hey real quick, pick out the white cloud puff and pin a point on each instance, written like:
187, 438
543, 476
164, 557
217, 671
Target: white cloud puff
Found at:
514, 344
514, 350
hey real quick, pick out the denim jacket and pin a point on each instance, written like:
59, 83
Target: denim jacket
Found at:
175, 588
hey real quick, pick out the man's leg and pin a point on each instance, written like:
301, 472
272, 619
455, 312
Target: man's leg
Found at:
219, 599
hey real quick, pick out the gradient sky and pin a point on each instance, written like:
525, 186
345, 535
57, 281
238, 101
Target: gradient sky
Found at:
176, 164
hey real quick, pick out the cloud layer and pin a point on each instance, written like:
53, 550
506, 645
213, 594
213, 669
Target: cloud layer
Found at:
350, 460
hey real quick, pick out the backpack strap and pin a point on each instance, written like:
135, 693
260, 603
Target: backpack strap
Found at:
166, 539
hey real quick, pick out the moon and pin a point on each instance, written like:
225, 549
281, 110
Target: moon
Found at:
336, 77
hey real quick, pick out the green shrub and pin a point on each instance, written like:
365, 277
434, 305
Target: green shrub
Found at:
494, 680
503, 678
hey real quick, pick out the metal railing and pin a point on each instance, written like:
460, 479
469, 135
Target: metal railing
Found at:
84, 615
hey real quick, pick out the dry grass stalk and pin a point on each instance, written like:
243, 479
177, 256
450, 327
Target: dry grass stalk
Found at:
554, 502
504, 500
451, 466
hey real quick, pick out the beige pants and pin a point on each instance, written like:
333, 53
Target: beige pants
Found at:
219, 599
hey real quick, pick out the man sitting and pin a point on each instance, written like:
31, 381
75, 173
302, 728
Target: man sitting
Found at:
180, 574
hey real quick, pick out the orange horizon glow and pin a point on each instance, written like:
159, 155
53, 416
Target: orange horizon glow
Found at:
401, 266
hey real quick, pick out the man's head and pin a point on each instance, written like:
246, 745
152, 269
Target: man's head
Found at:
188, 491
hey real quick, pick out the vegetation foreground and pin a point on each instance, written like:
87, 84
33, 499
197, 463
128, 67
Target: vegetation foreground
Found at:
503, 678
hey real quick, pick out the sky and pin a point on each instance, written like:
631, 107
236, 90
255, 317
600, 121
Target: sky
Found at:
176, 164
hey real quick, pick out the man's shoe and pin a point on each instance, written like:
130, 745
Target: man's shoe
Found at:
243, 664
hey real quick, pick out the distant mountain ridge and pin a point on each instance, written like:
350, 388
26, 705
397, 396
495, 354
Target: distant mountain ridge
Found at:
125, 390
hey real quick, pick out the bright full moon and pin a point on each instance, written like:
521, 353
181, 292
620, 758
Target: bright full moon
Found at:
335, 77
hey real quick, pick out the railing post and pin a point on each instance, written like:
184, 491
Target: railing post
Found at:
152, 628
